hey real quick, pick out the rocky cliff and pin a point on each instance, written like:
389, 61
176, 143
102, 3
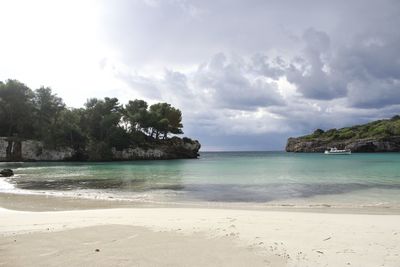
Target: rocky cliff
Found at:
12, 149
376, 136
388, 144
174, 148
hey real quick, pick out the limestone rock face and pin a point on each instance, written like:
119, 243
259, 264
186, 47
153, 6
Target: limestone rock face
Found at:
31, 150
12, 149
174, 148
3, 149
389, 144
137, 153
34, 150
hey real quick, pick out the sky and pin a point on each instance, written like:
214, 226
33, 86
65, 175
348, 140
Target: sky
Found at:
246, 74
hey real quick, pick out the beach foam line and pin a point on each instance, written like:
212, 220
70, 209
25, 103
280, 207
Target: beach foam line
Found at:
6, 186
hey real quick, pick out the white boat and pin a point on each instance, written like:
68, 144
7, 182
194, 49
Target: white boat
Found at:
335, 151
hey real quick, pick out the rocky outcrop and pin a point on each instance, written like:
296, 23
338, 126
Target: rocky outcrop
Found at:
301, 144
6, 173
376, 136
12, 149
174, 148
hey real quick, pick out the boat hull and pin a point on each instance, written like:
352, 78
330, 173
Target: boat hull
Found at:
338, 153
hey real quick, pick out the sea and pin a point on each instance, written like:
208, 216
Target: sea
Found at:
266, 179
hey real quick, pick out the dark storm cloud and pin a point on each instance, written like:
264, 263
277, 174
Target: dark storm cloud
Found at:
223, 62
192, 31
364, 67
374, 93
311, 73
367, 71
262, 65
222, 82
372, 69
228, 86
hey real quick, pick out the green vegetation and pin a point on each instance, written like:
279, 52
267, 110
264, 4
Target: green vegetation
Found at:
375, 130
96, 128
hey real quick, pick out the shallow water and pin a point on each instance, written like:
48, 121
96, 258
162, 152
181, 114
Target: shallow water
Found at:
270, 178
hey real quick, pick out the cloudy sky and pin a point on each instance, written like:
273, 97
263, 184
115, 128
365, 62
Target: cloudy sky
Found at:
246, 74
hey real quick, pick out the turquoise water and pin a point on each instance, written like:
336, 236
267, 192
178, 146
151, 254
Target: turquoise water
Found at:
270, 178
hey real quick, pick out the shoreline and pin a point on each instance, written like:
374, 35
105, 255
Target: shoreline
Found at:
49, 202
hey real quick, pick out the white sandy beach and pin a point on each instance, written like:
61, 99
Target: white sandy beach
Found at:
197, 237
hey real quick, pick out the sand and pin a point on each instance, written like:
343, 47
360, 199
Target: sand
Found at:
120, 245
197, 237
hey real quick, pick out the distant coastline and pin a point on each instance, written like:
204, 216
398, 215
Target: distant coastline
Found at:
376, 136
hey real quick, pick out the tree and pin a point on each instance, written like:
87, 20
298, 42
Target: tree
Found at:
395, 118
68, 130
101, 123
136, 115
174, 117
318, 132
101, 117
165, 119
16, 109
48, 107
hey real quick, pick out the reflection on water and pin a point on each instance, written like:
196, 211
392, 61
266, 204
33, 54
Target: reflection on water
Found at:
270, 192
134, 185
226, 177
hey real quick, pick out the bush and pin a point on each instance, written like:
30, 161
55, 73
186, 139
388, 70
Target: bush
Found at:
186, 140
318, 132
395, 118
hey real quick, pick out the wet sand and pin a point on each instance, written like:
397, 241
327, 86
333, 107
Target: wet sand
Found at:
41, 202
